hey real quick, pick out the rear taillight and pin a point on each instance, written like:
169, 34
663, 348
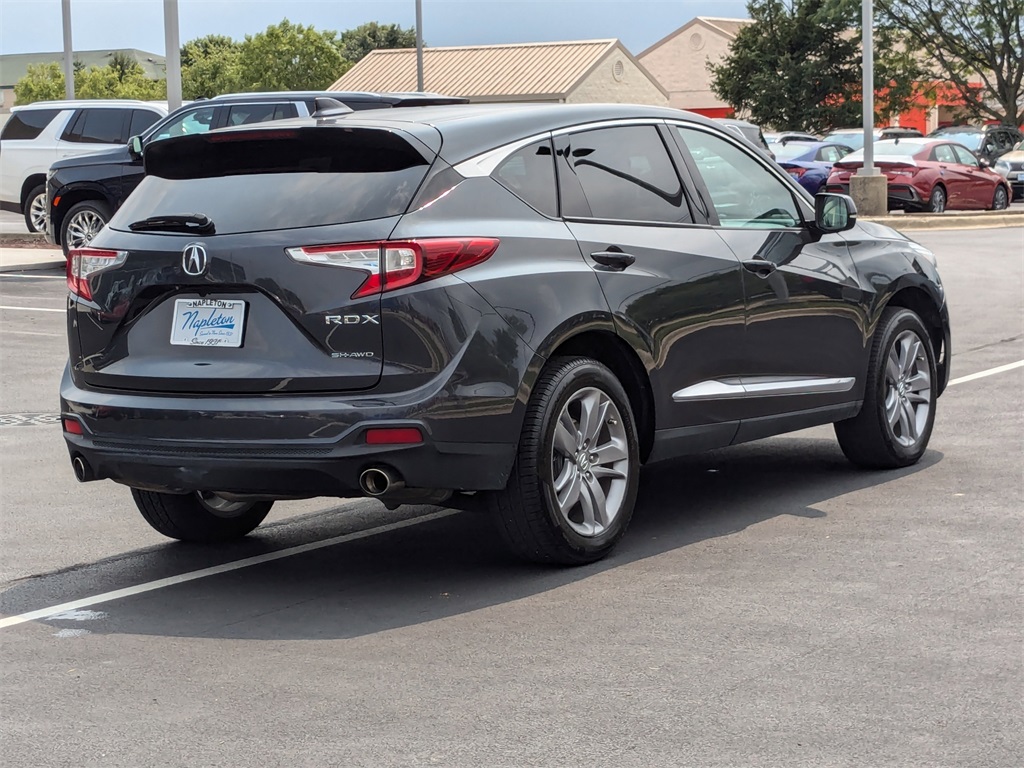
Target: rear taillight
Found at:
903, 171
392, 265
796, 172
85, 262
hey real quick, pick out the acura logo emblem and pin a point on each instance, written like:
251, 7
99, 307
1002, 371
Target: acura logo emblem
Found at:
193, 259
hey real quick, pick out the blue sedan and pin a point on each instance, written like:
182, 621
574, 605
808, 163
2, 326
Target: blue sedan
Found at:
810, 162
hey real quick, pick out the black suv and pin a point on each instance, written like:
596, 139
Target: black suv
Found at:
83, 192
503, 305
989, 142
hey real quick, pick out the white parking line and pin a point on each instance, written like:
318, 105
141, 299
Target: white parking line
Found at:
989, 372
35, 309
117, 594
4, 275
9, 331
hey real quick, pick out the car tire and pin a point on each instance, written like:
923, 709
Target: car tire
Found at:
937, 199
1000, 200
565, 502
35, 209
200, 517
895, 423
82, 223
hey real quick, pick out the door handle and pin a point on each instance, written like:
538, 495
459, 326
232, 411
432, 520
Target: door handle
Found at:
615, 260
759, 267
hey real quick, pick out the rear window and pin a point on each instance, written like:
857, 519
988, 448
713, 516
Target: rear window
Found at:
27, 124
255, 181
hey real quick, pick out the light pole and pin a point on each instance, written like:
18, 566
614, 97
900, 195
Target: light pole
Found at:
419, 45
69, 63
868, 188
172, 54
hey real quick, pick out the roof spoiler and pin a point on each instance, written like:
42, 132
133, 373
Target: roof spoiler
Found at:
324, 106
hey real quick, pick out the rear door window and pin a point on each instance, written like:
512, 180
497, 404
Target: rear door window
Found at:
27, 124
265, 180
95, 125
244, 114
529, 174
621, 174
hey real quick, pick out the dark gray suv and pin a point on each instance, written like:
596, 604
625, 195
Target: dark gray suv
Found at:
505, 306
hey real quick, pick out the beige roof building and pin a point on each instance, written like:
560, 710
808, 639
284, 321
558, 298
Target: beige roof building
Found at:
580, 71
679, 62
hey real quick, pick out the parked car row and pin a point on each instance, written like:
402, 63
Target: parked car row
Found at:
68, 165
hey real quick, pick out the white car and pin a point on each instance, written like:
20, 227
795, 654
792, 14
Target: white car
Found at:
36, 135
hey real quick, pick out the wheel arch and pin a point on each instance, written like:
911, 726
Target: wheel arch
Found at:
30, 183
70, 197
919, 301
611, 350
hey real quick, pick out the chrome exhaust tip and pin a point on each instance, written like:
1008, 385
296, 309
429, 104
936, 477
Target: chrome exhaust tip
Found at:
378, 481
83, 472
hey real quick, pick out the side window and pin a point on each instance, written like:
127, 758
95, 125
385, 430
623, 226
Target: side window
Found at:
27, 124
244, 114
965, 156
197, 121
624, 174
944, 154
829, 154
141, 120
529, 174
98, 126
743, 192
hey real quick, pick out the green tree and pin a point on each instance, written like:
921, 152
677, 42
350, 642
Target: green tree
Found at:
798, 65
290, 57
356, 43
43, 82
209, 67
970, 42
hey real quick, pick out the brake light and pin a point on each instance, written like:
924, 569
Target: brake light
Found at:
796, 172
230, 136
86, 262
393, 265
903, 171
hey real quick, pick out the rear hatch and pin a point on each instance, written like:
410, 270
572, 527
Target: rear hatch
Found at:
218, 275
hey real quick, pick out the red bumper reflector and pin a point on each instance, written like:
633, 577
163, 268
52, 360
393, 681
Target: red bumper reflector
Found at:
72, 426
394, 436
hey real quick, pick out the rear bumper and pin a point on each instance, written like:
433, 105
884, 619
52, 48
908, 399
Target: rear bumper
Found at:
287, 446
899, 195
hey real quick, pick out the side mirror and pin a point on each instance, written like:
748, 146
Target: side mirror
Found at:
834, 213
984, 163
135, 147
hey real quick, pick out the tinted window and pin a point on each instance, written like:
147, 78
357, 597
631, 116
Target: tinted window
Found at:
244, 114
743, 192
280, 180
944, 154
830, 154
196, 121
141, 120
98, 126
530, 174
27, 124
624, 174
965, 157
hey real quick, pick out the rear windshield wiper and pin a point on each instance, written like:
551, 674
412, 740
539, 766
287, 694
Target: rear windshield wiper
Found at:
199, 223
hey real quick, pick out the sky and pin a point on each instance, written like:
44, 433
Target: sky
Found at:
32, 26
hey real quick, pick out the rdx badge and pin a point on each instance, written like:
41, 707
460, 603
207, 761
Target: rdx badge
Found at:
352, 319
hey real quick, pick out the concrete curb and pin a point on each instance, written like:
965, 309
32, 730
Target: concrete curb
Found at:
972, 220
35, 266
24, 240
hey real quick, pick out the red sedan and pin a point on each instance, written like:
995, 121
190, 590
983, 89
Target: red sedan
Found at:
928, 175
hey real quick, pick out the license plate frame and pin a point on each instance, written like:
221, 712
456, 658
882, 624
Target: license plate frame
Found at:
208, 323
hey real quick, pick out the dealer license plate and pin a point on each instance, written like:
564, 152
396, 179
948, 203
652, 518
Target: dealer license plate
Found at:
208, 322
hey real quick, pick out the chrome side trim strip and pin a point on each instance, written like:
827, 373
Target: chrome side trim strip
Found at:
762, 386
484, 165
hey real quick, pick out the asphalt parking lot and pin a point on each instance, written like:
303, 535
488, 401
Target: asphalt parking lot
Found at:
770, 606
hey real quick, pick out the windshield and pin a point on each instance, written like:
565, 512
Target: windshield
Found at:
970, 140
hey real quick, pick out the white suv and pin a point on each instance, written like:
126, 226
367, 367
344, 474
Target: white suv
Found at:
36, 135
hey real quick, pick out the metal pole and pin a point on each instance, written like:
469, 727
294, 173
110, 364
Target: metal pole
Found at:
868, 46
172, 54
69, 62
419, 45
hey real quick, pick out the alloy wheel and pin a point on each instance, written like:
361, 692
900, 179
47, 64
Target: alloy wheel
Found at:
590, 462
908, 389
1001, 199
82, 228
37, 212
937, 200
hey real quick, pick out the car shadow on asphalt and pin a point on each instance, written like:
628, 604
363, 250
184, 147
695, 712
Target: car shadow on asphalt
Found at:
456, 564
